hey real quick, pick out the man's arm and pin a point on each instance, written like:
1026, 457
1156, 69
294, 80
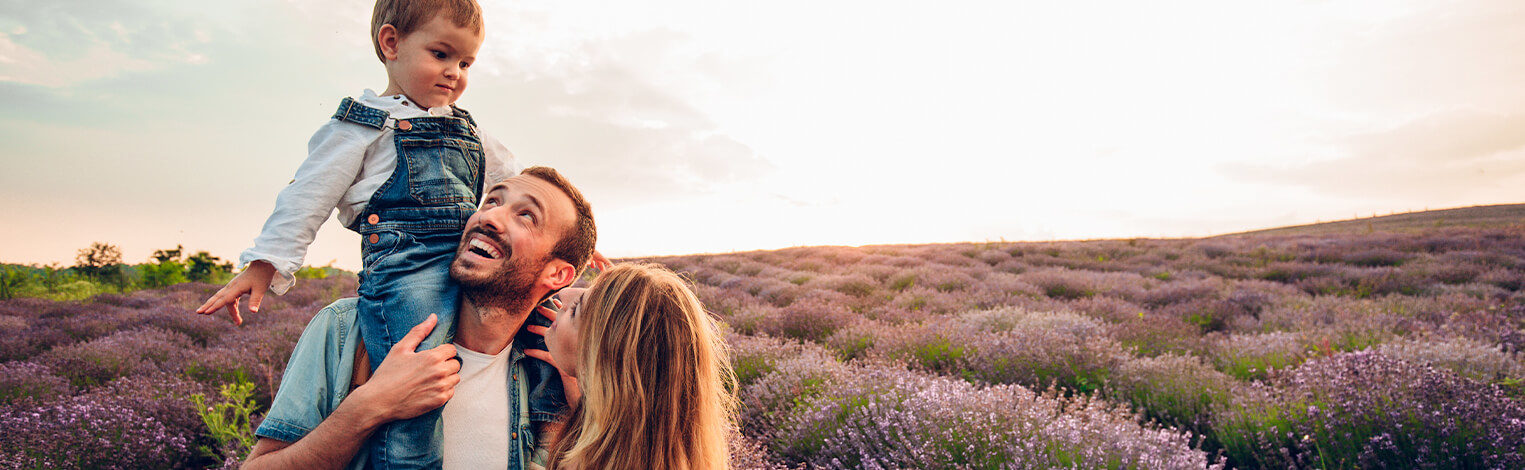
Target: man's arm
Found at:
407, 384
331, 445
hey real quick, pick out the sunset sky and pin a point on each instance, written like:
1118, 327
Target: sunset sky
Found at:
711, 126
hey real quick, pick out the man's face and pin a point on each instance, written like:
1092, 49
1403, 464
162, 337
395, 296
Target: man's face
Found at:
507, 242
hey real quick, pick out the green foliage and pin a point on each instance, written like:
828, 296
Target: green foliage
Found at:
1067, 292
1247, 428
79, 289
162, 274
903, 282
855, 288
851, 344
52, 276
1179, 391
1258, 367
749, 368
203, 267
227, 421
10, 281
99, 269
939, 354
310, 272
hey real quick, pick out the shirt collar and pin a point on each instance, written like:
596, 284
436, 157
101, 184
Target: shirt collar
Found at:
400, 106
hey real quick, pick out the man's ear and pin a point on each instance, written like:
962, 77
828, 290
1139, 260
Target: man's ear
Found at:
387, 38
558, 274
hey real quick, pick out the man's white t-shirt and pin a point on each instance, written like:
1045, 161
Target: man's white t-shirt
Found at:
476, 418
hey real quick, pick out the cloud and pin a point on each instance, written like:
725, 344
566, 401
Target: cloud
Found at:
1442, 156
1436, 56
59, 44
616, 116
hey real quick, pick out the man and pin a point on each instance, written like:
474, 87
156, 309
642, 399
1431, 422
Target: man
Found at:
524, 242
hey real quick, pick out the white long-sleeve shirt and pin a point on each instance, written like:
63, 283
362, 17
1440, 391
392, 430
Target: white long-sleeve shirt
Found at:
346, 163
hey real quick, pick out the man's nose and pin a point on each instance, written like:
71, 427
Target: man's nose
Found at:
494, 220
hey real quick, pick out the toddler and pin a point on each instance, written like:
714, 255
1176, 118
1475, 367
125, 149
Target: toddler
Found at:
405, 168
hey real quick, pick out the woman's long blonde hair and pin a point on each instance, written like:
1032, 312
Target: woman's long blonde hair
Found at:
655, 375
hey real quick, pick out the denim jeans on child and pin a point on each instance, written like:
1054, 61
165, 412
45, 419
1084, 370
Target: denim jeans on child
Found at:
409, 233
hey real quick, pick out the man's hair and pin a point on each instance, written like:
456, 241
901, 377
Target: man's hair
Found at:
409, 15
576, 245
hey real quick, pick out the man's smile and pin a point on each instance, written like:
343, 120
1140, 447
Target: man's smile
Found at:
480, 244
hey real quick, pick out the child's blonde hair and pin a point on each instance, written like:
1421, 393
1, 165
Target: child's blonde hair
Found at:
656, 378
409, 15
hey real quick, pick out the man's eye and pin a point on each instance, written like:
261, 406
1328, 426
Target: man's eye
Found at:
439, 55
528, 215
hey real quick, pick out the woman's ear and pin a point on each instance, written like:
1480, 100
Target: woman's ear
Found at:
387, 38
558, 274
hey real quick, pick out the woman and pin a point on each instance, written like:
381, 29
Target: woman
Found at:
653, 373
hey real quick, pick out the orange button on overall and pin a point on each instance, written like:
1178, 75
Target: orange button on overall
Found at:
374, 239
373, 219
404, 125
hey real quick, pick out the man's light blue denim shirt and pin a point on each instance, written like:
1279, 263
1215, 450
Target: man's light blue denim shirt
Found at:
320, 370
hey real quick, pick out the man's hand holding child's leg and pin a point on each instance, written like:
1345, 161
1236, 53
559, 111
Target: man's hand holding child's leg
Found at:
254, 280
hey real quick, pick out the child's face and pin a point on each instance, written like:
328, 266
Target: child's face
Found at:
429, 65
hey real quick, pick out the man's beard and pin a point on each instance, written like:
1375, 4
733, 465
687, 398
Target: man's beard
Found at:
505, 290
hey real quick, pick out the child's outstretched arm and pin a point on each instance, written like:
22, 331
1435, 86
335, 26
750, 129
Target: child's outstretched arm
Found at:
336, 154
254, 280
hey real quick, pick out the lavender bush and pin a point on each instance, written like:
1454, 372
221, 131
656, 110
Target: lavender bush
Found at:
887, 418
105, 383
1008, 346
25, 382
1367, 410
1178, 391
1367, 350
85, 433
1257, 356
1464, 356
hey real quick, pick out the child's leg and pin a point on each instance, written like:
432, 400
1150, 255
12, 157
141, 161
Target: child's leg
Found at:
406, 278
546, 398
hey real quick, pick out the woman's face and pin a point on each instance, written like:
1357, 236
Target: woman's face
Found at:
562, 338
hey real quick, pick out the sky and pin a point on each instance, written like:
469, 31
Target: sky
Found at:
703, 126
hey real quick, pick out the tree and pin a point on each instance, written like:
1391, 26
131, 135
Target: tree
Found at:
10, 281
203, 267
168, 270
52, 276
169, 255
100, 262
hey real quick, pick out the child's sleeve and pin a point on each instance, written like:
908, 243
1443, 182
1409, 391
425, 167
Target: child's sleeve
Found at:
500, 162
335, 155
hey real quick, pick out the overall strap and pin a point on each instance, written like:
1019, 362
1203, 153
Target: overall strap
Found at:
352, 111
461, 113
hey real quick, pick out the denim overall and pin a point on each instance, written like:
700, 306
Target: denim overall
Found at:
409, 234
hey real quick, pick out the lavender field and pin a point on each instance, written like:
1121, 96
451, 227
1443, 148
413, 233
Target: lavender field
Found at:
1395, 349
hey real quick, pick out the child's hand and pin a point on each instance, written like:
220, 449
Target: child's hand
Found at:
599, 262
254, 280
